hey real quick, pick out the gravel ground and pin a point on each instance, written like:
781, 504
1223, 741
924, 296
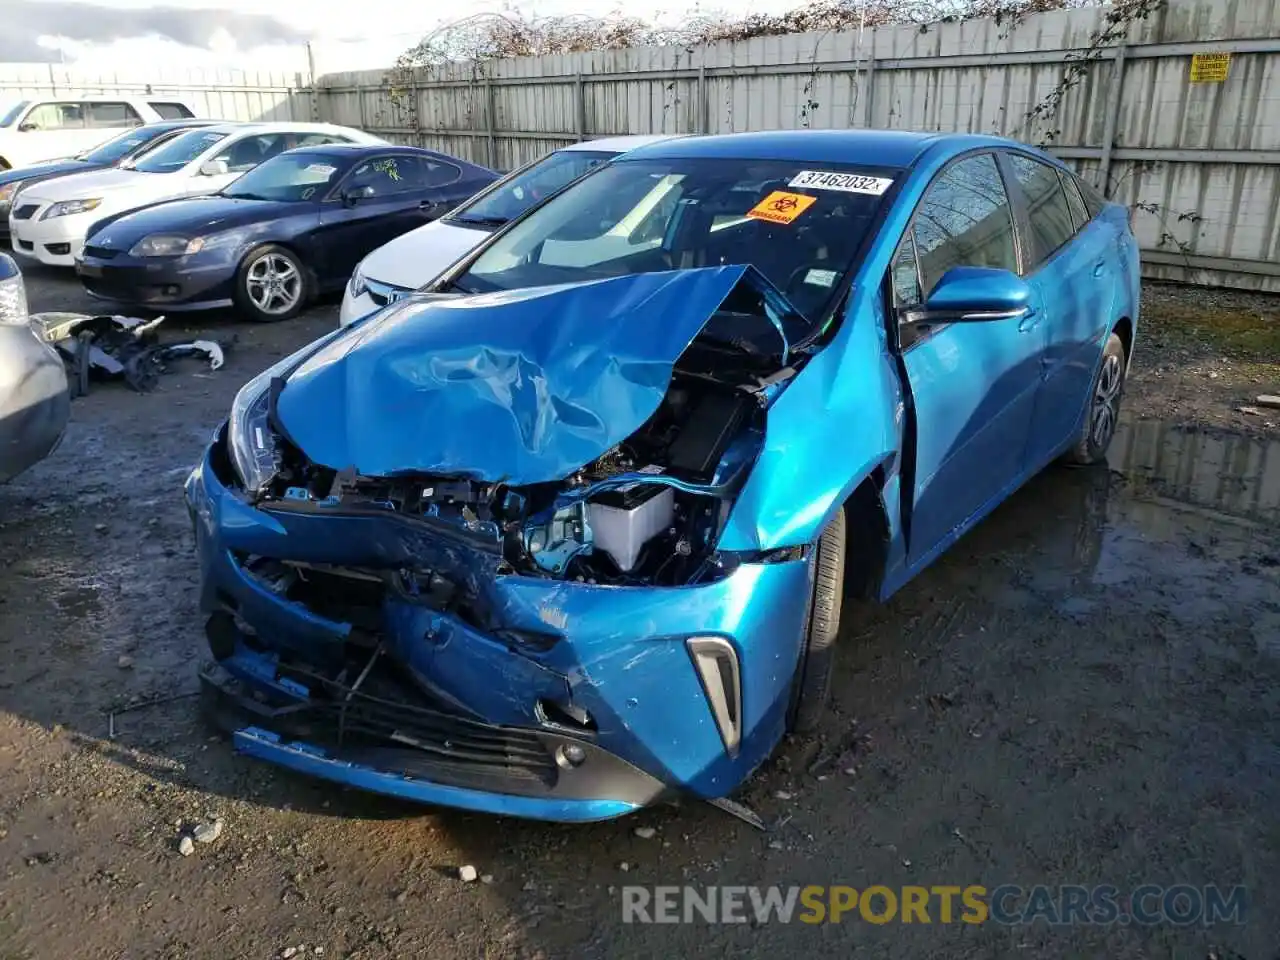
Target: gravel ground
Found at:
1085, 690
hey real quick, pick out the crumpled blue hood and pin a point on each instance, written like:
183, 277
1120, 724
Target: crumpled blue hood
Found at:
521, 386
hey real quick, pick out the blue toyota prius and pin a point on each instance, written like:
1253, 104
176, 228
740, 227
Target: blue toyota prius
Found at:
568, 533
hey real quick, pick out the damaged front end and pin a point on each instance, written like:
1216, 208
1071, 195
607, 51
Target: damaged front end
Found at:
466, 552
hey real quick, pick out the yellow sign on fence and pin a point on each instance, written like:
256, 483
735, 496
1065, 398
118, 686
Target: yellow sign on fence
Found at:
1210, 67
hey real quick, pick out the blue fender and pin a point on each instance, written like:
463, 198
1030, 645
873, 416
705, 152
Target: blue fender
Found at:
844, 411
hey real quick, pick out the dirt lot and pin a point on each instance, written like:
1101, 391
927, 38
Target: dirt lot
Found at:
1086, 690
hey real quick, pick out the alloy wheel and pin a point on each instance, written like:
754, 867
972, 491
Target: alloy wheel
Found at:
274, 284
1106, 402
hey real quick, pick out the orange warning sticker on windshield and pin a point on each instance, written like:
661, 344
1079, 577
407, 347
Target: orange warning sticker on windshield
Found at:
781, 207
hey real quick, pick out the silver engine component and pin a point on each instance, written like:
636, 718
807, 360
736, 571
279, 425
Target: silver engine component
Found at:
623, 521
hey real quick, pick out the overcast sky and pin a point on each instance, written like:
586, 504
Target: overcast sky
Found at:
129, 34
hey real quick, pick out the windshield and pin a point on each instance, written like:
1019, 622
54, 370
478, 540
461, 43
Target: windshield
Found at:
292, 179
526, 187
118, 147
798, 223
9, 112
178, 152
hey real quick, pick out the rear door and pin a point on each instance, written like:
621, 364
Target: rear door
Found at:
1071, 266
441, 185
399, 202
972, 385
105, 119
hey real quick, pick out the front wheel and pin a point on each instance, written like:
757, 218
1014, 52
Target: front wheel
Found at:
271, 284
1103, 412
812, 687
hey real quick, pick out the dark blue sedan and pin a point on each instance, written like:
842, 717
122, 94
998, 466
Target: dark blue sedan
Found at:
287, 230
116, 152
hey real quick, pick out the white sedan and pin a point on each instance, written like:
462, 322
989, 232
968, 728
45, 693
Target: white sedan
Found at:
49, 220
421, 255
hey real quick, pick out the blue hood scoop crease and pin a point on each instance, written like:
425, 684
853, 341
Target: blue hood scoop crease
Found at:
517, 387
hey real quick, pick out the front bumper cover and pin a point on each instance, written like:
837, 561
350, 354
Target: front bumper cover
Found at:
175, 283
619, 656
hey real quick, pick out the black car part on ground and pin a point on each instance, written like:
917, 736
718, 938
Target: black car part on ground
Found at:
113, 347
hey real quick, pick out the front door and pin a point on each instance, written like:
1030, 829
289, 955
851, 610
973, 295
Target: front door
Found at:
398, 202
55, 129
972, 385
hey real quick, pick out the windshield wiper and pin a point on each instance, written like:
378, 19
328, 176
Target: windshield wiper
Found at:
483, 221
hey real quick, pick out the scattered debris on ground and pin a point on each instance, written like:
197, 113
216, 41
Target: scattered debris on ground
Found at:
118, 347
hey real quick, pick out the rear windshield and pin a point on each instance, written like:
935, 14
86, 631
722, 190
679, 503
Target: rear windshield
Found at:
121, 146
178, 152
526, 187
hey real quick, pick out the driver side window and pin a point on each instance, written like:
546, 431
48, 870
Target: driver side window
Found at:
964, 220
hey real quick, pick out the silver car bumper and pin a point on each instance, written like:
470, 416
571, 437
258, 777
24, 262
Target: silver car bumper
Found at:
34, 400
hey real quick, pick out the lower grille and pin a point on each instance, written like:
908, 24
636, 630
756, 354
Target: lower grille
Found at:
376, 711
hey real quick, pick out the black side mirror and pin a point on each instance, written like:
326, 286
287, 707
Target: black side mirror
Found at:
353, 195
28, 127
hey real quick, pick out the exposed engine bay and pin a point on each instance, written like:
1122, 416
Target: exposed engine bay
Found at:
647, 511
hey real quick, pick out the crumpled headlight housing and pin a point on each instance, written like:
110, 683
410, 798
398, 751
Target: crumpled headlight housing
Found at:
167, 245
67, 208
251, 442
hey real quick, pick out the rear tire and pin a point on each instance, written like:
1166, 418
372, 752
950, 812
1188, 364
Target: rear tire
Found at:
1103, 411
812, 683
272, 284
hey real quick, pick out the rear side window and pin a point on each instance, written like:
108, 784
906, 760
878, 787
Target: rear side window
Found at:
963, 220
1093, 200
1079, 212
247, 153
113, 115
315, 140
1047, 210
438, 173
171, 111
387, 175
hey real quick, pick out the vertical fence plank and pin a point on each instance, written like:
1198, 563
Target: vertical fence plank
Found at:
490, 127
1115, 95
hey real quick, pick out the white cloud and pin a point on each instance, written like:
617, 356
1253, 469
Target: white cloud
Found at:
252, 35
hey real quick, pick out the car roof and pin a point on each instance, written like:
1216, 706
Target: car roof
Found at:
100, 98
180, 124
360, 149
237, 126
624, 143
882, 148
